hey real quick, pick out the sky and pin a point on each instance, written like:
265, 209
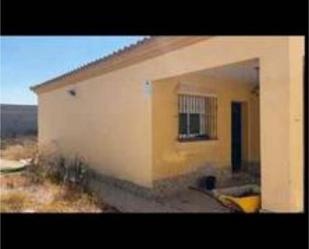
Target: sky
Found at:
27, 61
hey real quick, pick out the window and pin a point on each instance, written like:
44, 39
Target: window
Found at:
197, 117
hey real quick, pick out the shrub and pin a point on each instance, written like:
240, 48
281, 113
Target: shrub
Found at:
75, 171
59, 169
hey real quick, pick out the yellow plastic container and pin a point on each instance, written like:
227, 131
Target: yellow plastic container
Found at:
247, 204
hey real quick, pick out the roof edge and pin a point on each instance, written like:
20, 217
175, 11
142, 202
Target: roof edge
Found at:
148, 47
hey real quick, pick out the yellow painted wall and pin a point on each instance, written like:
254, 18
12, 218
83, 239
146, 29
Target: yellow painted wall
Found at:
281, 95
106, 122
254, 126
172, 157
110, 119
296, 89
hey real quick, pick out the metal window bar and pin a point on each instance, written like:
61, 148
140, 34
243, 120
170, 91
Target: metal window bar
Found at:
206, 107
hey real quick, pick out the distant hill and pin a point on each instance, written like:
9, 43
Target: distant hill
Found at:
18, 120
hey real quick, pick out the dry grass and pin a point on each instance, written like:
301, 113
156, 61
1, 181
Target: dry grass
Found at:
18, 148
33, 191
14, 202
19, 194
71, 200
14, 181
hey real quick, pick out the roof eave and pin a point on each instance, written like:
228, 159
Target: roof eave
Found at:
144, 49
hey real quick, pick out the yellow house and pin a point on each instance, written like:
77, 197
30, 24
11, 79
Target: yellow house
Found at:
169, 106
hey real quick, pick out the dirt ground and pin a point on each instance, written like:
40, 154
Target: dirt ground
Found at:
19, 192
18, 148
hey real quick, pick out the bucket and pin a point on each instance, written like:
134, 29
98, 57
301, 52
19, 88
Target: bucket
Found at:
208, 182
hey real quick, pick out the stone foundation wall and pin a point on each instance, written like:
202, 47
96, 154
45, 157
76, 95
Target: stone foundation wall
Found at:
96, 180
165, 187
175, 184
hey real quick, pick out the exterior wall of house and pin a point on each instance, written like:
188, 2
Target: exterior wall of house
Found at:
171, 157
296, 120
281, 110
254, 126
116, 103
107, 123
281, 97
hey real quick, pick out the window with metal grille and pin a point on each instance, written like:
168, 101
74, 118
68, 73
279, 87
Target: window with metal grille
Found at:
197, 117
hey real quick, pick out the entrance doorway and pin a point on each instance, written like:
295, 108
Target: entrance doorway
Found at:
236, 136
